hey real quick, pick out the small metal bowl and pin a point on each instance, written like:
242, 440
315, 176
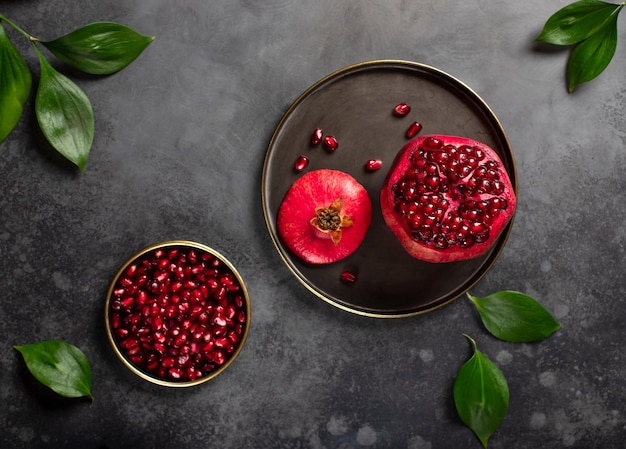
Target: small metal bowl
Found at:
177, 313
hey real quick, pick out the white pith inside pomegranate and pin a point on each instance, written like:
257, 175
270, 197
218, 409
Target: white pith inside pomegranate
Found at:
447, 198
178, 313
324, 216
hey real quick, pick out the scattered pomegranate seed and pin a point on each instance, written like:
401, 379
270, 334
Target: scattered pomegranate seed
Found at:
301, 163
401, 110
348, 277
413, 130
373, 164
170, 326
316, 136
331, 143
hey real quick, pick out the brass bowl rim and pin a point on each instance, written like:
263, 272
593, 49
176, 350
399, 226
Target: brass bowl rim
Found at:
157, 380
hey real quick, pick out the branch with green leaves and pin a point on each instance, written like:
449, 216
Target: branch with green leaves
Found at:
590, 27
63, 111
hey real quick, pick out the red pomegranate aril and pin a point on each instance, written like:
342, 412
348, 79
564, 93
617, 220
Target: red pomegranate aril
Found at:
226, 279
401, 110
180, 340
373, 164
219, 357
212, 283
137, 359
151, 366
175, 373
192, 373
330, 143
126, 282
222, 342
413, 130
348, 277
220, 293
220, 320
160, 329
316, 136
301, 163
233, 337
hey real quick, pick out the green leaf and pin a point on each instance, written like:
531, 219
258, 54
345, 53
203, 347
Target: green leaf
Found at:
15, 84
99, 48
590, 57
514, 316
64, 113
578, 21
481, 395
60, 366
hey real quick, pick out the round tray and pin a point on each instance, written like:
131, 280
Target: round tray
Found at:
355, 104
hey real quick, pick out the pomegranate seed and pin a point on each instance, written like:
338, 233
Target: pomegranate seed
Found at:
183, 326
401, 110
331, 143
373, 164
413, 130
316, 136
301, 163
219, 357
348, 277
131, 270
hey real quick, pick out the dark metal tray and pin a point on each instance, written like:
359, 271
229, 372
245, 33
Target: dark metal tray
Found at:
355, 104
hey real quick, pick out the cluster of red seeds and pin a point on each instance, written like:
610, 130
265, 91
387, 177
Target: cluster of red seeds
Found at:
177, 313
420, 195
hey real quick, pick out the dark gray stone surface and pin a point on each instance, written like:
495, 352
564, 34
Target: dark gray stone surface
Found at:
180, 140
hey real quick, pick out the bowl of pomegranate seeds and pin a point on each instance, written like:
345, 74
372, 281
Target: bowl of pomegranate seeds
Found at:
177, 313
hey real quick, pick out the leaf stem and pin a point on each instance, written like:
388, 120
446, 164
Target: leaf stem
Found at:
16, 27
471, 340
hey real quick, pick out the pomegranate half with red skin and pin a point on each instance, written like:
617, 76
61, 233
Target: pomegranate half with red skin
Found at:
324, 216
447, 198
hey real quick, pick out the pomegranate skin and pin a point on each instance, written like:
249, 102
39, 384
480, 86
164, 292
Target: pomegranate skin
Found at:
320, 189
398, 223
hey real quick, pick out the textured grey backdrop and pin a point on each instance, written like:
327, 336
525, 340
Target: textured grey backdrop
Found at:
180, 139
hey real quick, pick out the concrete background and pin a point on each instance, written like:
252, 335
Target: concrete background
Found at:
181, 136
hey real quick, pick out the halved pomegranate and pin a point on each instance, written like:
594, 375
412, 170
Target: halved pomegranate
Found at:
447, 198
324, 216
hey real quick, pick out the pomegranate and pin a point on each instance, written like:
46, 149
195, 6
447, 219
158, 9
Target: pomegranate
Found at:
324, 216
447, 198
177, 313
